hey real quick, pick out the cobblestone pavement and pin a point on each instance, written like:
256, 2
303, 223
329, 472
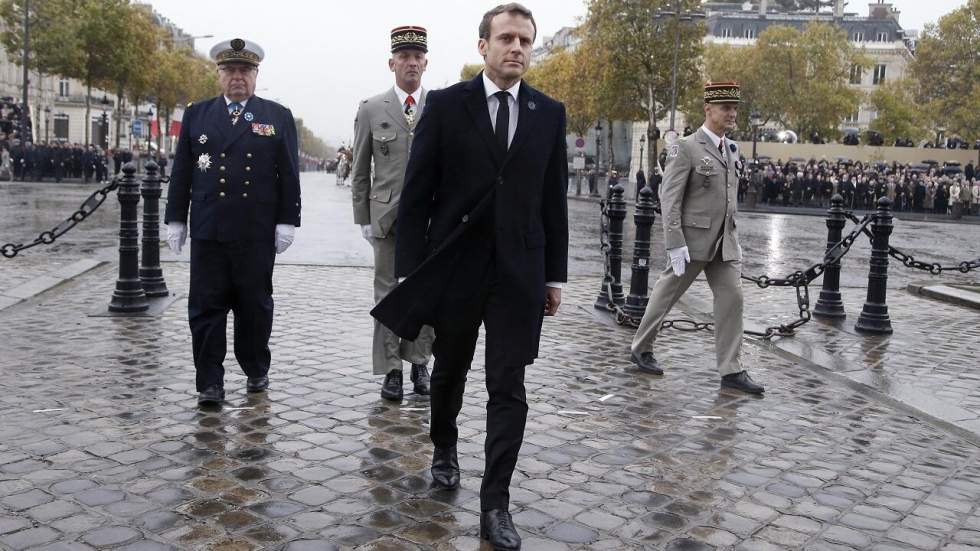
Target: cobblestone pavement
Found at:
101, 445
928, 362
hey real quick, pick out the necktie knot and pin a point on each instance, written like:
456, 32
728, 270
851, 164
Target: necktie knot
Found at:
410, 100
502, 96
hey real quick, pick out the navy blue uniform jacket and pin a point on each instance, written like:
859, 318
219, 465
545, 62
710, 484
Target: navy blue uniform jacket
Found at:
252, 182
461, 191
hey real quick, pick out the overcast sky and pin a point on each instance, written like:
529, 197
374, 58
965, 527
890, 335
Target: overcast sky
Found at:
323, 56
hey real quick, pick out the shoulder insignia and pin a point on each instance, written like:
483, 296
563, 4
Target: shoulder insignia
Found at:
672, 150
190, 103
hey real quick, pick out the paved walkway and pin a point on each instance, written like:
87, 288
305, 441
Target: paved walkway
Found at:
102, 446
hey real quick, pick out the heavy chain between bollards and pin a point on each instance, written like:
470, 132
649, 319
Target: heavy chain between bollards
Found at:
800, 280
48, 237
933, 268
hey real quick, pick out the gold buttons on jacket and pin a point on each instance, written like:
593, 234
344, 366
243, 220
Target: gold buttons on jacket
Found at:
221, 181
247, 182
248, 155
248, 169
221, 194
221, 168
466, 218
222, 155
245, 195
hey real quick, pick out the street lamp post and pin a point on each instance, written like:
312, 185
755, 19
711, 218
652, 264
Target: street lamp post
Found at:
47, 122
679, 16
598, 151
149, 132
751, 194
643, 142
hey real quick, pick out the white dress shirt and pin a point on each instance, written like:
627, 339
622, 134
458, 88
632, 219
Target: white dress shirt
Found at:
228, 102
493, 103
403, 95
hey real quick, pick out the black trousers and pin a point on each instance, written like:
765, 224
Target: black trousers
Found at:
470, 301
235, 276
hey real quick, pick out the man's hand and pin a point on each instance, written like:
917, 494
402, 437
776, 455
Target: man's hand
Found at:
176, 236
679, 258
552, 299
284, 237
367, 232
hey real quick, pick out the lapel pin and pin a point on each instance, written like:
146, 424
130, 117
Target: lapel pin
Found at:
203, 139
248, 116
531, 105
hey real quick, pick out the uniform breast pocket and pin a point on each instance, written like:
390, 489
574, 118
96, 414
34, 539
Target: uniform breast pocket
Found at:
384, 142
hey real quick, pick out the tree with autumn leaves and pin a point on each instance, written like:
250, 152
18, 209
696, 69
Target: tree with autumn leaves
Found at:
109, 44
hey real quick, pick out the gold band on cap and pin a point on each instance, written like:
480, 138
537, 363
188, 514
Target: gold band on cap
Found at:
722, 92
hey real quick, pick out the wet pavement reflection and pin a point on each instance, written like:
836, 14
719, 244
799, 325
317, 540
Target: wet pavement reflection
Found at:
102, 446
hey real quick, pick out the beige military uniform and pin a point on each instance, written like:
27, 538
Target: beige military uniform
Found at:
698, 199
383, 137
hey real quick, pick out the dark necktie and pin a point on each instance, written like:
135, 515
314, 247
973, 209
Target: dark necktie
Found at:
502, 126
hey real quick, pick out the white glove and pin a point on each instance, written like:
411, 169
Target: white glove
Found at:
176, 236
367, 232
284, 237
679, 258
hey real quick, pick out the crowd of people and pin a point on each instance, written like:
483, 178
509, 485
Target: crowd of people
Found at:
59, 161
912, 188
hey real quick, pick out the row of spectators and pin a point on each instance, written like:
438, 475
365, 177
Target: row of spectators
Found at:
916, 188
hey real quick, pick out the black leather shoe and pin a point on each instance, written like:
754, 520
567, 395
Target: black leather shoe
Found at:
211, 396
392, 387
445, 468
647, 363
257, 384
497, 527
420, 379
741, 381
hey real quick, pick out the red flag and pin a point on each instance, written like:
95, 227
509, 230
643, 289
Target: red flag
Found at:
154, 128
174, 129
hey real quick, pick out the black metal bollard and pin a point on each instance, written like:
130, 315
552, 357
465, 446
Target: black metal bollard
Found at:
874, 316
129, 295
616, 213
830, 305
636, 302
151, 275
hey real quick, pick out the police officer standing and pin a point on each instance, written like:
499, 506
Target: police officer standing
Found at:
235, 168
383, 132
698, 200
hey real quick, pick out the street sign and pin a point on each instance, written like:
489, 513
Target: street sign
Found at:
137, 127
578, 163
580, 142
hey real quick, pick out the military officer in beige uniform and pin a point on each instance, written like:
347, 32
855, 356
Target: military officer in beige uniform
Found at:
383, 134
698, 200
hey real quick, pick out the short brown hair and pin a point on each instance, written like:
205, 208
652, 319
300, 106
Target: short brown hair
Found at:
512, 7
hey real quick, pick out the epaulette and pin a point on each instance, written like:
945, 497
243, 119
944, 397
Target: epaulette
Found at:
190, 103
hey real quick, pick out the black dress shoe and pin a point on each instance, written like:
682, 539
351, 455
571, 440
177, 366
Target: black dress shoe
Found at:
420, 379
392, 387
497, 527
445, 468
211, 396
257, 384
647, 363
741, 381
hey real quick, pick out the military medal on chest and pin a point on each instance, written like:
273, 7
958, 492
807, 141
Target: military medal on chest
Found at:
204, 162
203, 139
